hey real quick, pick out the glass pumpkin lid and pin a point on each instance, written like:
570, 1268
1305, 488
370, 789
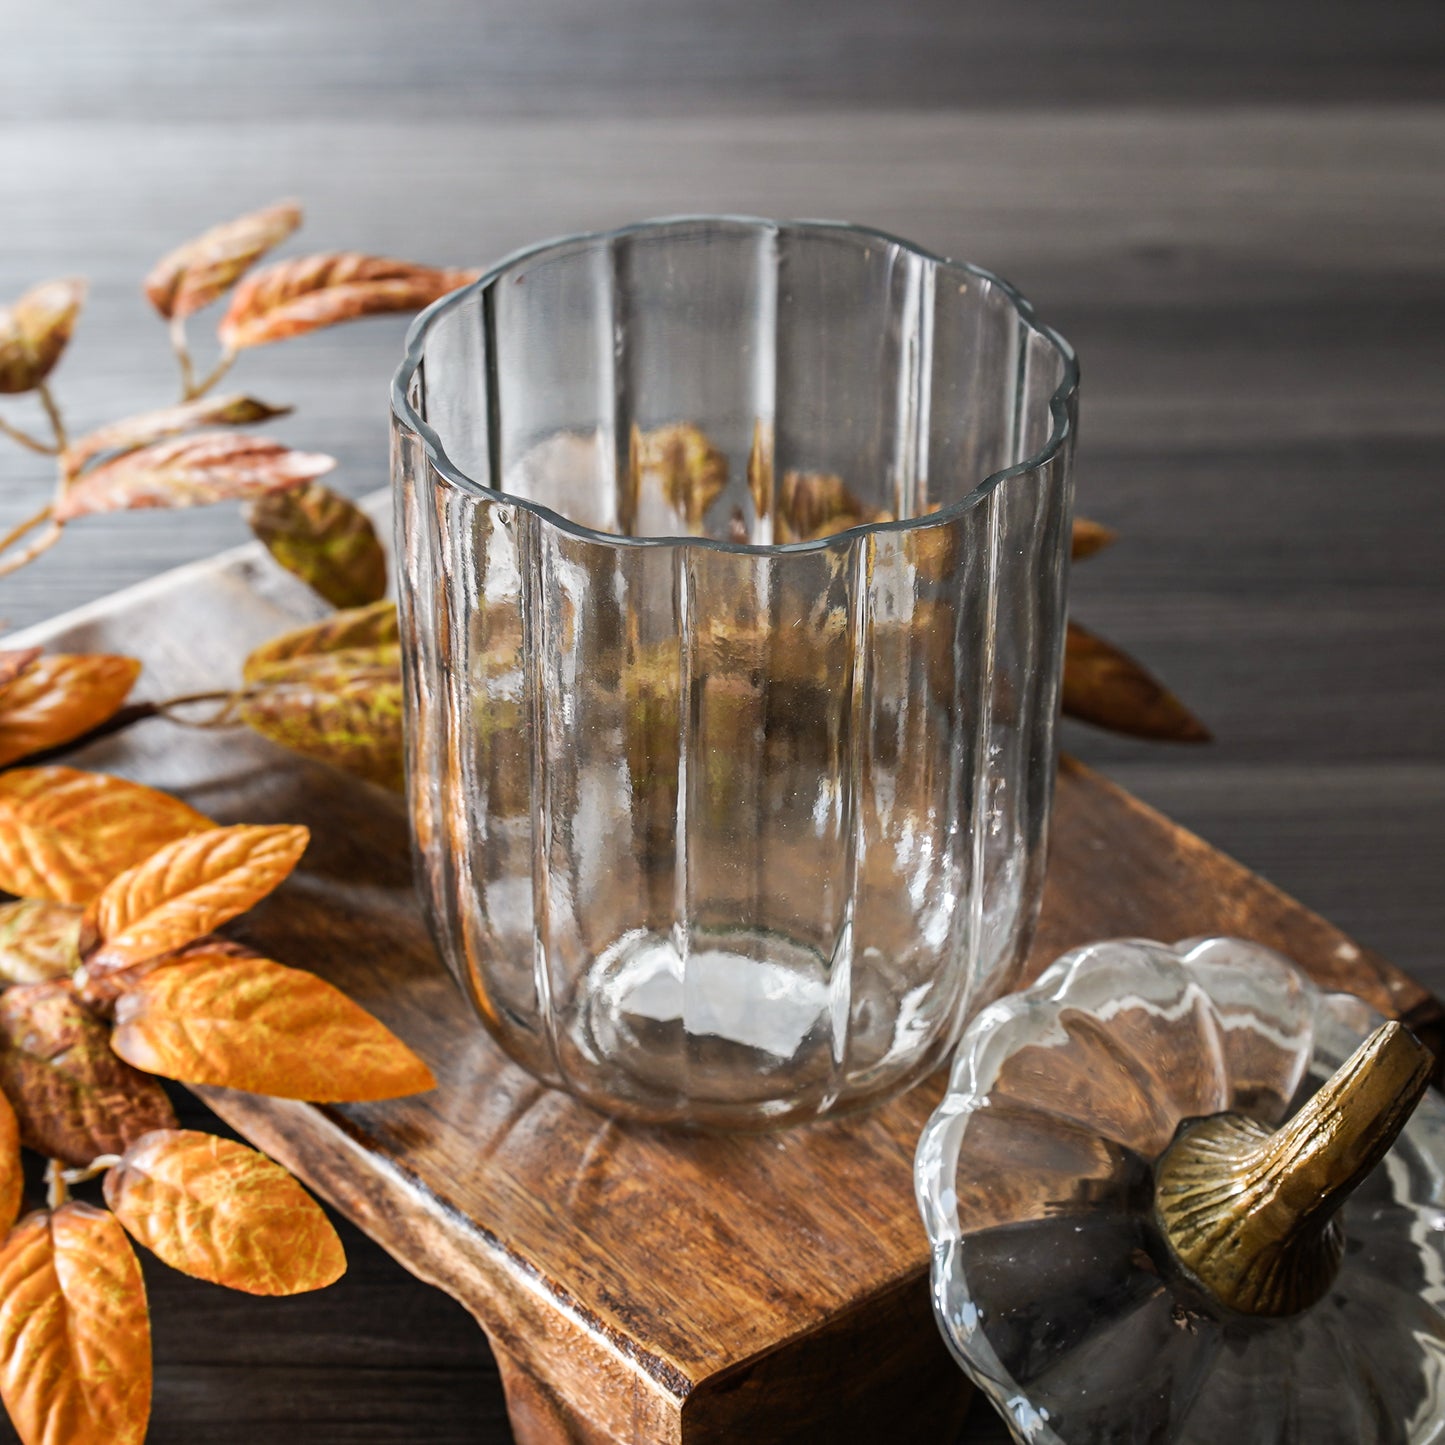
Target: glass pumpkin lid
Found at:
1104, 1274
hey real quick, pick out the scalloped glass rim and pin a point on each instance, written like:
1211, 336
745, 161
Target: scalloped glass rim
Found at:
442, 464
1337, 1024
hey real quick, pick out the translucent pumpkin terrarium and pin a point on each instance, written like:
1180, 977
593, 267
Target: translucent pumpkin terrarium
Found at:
1163, 1213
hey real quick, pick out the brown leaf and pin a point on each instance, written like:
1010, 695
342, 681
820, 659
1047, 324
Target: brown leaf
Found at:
195, 274
358, 627
293, 297
74, 1098
224, 1213
1090, 537
75, 1340
1106, 687
325, 540
191, 471
34, 332
249, 1023
12, 1170
38, 941
65, 833
818, 504
342, 707
683, 465
13, 663
59, 697
150, 426
185, 889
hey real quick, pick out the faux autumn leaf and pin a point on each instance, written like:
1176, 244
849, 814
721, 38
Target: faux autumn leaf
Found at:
1090, 537
325, 540
293, 297
65, 833
12, 1172
74, 1098
75, 1341
817, 504
151, 426
224, 1213
34, 332
59, 697
1106, 687
185, 889
195, 274
191, 471
342, 707
38, 941
683, 465
357, 627
249, 1023
13, 663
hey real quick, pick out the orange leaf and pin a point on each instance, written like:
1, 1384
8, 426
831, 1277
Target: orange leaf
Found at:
74, 1098
151, 426
64, 833
13, 663
185, 889
249, 1023
293, 297
325, 540
191, 471
59, 697
75, 1337
373, 626
34, 332
1090, 537
1105, 686
681, 463
38, 941
224, 1213
12, 1172
195, 274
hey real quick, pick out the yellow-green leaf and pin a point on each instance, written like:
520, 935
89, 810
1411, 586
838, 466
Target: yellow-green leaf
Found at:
325, 540
59, 697
185, 889
34, 332
374, 626
342, 707
249, 1023
224, 1213
75, 1342
65, 833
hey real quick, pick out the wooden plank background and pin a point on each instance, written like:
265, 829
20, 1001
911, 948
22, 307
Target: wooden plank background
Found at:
1235, 212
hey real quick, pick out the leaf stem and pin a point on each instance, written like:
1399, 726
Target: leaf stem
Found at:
98, 1165
33, 444
52, 410
118, 722
200, 388
177, 331
56, 1191
22, 529
43, 543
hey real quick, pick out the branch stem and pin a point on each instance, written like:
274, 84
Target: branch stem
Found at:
177, 332
24, 438
56, 1190
43, 543
22, 529
52, 410
200, 388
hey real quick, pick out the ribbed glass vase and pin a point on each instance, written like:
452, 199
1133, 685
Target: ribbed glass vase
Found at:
732, 595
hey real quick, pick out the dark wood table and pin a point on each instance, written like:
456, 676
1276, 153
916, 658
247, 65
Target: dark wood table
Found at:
1233, 211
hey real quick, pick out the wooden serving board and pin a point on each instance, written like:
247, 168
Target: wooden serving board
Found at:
636, 1285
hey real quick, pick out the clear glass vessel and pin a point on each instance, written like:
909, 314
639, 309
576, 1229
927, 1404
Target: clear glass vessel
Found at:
1052, 1281
732, 594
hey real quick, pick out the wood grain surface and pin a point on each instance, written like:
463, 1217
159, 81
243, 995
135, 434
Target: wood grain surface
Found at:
1234, 212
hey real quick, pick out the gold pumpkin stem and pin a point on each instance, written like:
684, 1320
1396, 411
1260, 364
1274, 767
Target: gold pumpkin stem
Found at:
1250, 1213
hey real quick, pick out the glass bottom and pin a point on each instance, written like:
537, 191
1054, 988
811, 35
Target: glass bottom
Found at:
723, 1018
